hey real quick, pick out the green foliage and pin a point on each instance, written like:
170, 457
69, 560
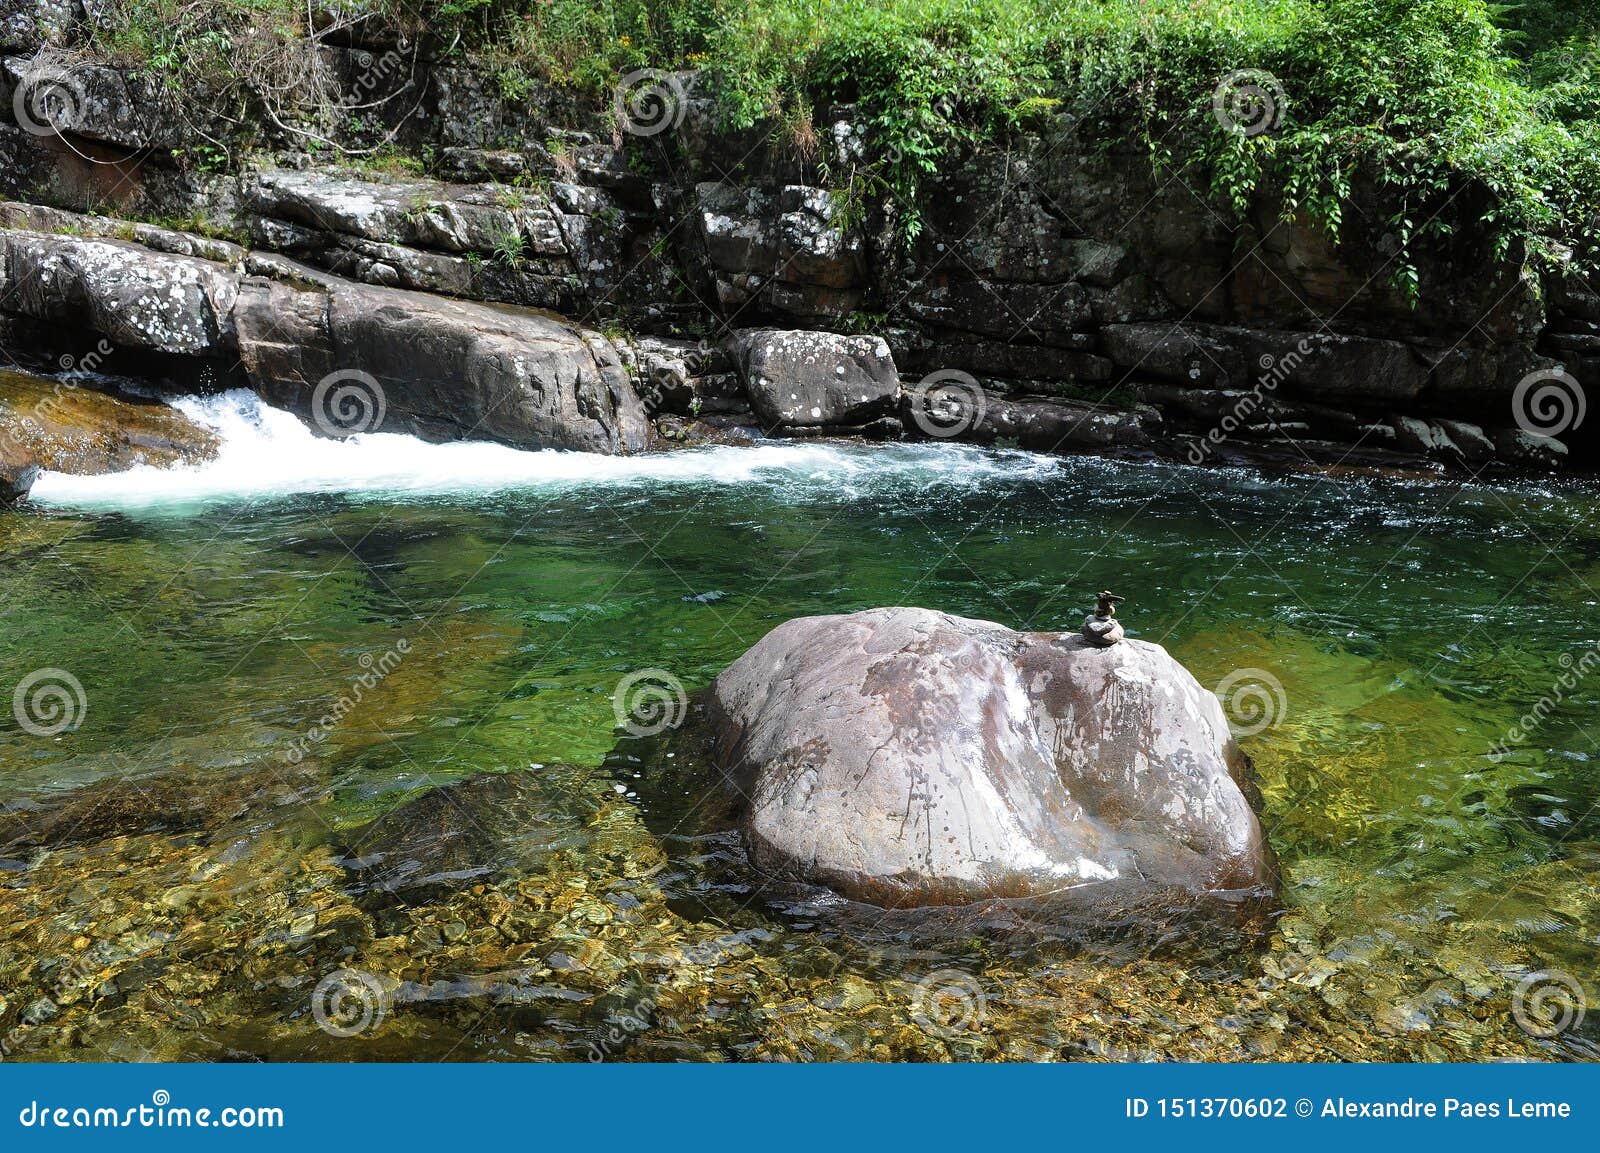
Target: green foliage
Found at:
510, 248
1430, 99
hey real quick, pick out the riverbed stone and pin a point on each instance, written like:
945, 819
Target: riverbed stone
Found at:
66, 427
1469, 439
906, 757
1518, 446
18, 471
812, 379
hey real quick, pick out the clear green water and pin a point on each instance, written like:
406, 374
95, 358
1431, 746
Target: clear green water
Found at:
173, 886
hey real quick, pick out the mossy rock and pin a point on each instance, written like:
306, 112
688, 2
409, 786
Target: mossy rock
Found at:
70, 428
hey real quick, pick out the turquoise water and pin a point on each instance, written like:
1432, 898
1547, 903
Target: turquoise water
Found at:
184, 867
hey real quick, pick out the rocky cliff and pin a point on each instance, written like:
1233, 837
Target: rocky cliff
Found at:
569, 275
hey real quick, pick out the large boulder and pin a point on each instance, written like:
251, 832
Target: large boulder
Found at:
415, 213
799, 379
54, 92
138, 298
443, 368
906, 757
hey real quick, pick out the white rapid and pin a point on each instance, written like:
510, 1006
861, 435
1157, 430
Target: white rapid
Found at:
268, 453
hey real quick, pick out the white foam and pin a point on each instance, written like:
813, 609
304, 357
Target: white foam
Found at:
269, 453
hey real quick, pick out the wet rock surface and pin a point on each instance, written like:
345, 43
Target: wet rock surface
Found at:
456, 836
210, 940
136, 297
798, 379
18, 471
441, 367
906, 757
67, 427
447, 369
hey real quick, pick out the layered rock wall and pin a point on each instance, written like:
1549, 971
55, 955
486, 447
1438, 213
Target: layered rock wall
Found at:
1058, 292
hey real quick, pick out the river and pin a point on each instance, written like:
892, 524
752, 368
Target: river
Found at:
345, 711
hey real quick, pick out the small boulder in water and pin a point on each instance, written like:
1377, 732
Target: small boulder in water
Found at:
815, 379
18, 471
905, 757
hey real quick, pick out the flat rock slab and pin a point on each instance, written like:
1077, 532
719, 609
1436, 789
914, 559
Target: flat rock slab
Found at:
136, 297
65, 427
445, 369
906, 757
